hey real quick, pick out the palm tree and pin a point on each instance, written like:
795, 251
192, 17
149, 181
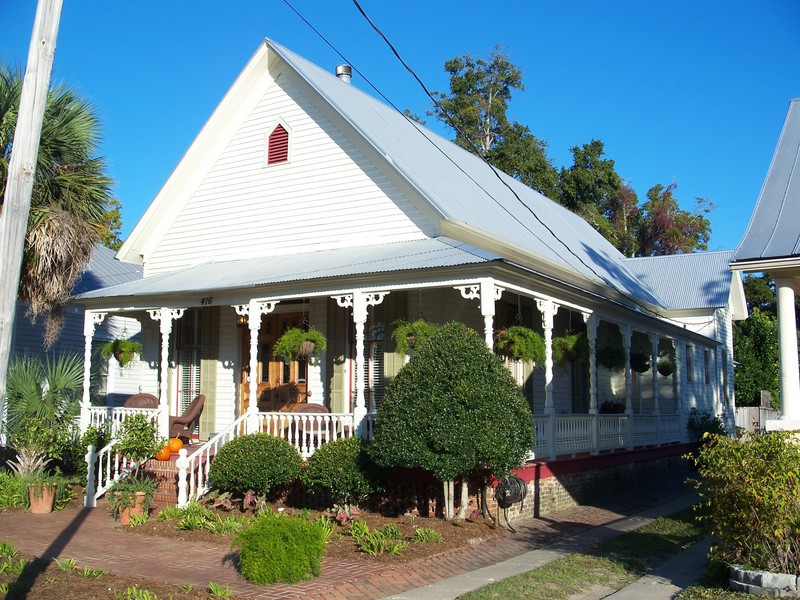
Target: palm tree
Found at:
70, 199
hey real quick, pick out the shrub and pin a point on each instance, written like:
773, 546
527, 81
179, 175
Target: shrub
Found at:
702, 421
258, 461
287, 549
751, 489
341, 469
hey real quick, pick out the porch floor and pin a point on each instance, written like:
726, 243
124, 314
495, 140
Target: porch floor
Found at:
92, 538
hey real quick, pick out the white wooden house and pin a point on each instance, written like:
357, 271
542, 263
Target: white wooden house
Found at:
305, 200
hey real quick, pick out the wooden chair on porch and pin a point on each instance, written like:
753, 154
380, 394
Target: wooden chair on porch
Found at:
141, 401
183, 426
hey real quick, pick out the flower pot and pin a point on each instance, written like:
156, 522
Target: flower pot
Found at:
42, 497
135, 510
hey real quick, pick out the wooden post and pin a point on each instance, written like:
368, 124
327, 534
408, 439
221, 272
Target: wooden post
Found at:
21, 171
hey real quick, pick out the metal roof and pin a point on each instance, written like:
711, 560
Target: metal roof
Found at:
773, 231
237, 274
104, 271
463, 189
686, 281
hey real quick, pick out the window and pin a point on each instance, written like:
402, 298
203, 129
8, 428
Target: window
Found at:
189, 335
689, 377
707, 366
278, 146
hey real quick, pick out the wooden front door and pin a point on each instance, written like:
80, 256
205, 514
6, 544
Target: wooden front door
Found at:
281, 386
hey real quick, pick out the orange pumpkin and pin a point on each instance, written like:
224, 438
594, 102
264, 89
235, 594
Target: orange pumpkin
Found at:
164, 453
175, 444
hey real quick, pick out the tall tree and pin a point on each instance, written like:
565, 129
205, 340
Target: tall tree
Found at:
668, 229
755, 346
70, 197
111, 234
476, 108
590, 183
625, 220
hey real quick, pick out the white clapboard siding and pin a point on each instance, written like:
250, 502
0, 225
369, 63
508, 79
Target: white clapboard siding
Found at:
328, 195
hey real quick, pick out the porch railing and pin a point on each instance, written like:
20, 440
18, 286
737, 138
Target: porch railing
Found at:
305, 431
110, 465
113, 416
570, 435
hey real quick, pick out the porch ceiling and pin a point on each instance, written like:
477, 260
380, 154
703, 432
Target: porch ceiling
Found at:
248, 273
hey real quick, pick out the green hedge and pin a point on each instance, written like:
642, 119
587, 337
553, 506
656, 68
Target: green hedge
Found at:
258, 461
341, 469
280, 549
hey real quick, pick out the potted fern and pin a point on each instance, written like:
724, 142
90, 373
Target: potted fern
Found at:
297, 342
611, 357
124, 350
520, 343
410, 334
640, 361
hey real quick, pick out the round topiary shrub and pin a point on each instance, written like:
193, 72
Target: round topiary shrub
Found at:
280, 549
340, 468
258, 461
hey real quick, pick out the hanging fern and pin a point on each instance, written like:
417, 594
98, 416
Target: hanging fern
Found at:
571, 348
296, 342
611, 357
407, 335
520, 343
640, 361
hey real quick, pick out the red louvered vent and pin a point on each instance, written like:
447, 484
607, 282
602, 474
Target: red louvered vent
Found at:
278, 147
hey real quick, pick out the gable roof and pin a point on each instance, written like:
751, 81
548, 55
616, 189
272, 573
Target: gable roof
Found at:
700, 280
474, 203
773, 232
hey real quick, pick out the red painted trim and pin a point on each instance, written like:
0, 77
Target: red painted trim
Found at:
278, 148
536, 470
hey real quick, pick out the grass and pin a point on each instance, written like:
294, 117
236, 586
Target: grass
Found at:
612, 564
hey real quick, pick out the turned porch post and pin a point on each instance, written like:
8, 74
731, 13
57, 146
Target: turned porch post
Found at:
360, 303
90, 321
253, 311
548, 310
488, 293
165, 317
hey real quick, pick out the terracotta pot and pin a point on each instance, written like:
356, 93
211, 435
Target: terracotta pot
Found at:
135, 510
42, 498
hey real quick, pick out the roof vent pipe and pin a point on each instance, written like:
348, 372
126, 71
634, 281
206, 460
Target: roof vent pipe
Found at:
344, 72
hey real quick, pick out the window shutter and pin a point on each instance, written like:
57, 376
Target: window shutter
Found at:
278, 147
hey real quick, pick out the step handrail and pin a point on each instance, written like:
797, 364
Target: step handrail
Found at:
193, 470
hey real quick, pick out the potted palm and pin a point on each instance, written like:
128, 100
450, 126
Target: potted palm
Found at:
124, 350
408, 335
297, 342
520, 343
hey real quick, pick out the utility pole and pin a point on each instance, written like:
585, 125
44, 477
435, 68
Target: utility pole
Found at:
21, 171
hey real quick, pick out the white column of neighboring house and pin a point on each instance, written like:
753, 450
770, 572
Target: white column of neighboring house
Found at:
253, 311
360, 302
787, 346
90, 321
165, 317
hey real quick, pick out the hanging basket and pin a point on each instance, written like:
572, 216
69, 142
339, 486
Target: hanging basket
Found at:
296, 343
640, 362
306, 348
666, 367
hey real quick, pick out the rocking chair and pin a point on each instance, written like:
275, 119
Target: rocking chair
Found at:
183, 426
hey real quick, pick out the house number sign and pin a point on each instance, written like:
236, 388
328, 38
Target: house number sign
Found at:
206, 300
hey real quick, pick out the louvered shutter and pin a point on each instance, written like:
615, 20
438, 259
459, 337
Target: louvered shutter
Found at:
278, 147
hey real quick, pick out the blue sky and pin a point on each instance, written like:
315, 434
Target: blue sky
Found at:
684, 91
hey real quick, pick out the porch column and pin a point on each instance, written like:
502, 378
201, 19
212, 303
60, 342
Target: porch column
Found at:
787, 348
680, 346
360, 302
165, 317
253, 311
654, 369
627, 336
488, 293
90, 321
548, 308
591, 321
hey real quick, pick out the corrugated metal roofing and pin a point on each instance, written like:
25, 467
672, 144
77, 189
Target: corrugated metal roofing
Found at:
104, 271
684, 281
237, 274
464, 189
773, 231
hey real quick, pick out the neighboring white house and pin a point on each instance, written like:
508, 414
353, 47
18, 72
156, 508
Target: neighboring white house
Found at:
772, 244
110, 382
305, 201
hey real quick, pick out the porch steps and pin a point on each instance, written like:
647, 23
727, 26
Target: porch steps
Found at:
165, 473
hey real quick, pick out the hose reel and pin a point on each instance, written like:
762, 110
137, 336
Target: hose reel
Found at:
508, 492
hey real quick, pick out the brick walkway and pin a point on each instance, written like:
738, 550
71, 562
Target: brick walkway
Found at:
89, 536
